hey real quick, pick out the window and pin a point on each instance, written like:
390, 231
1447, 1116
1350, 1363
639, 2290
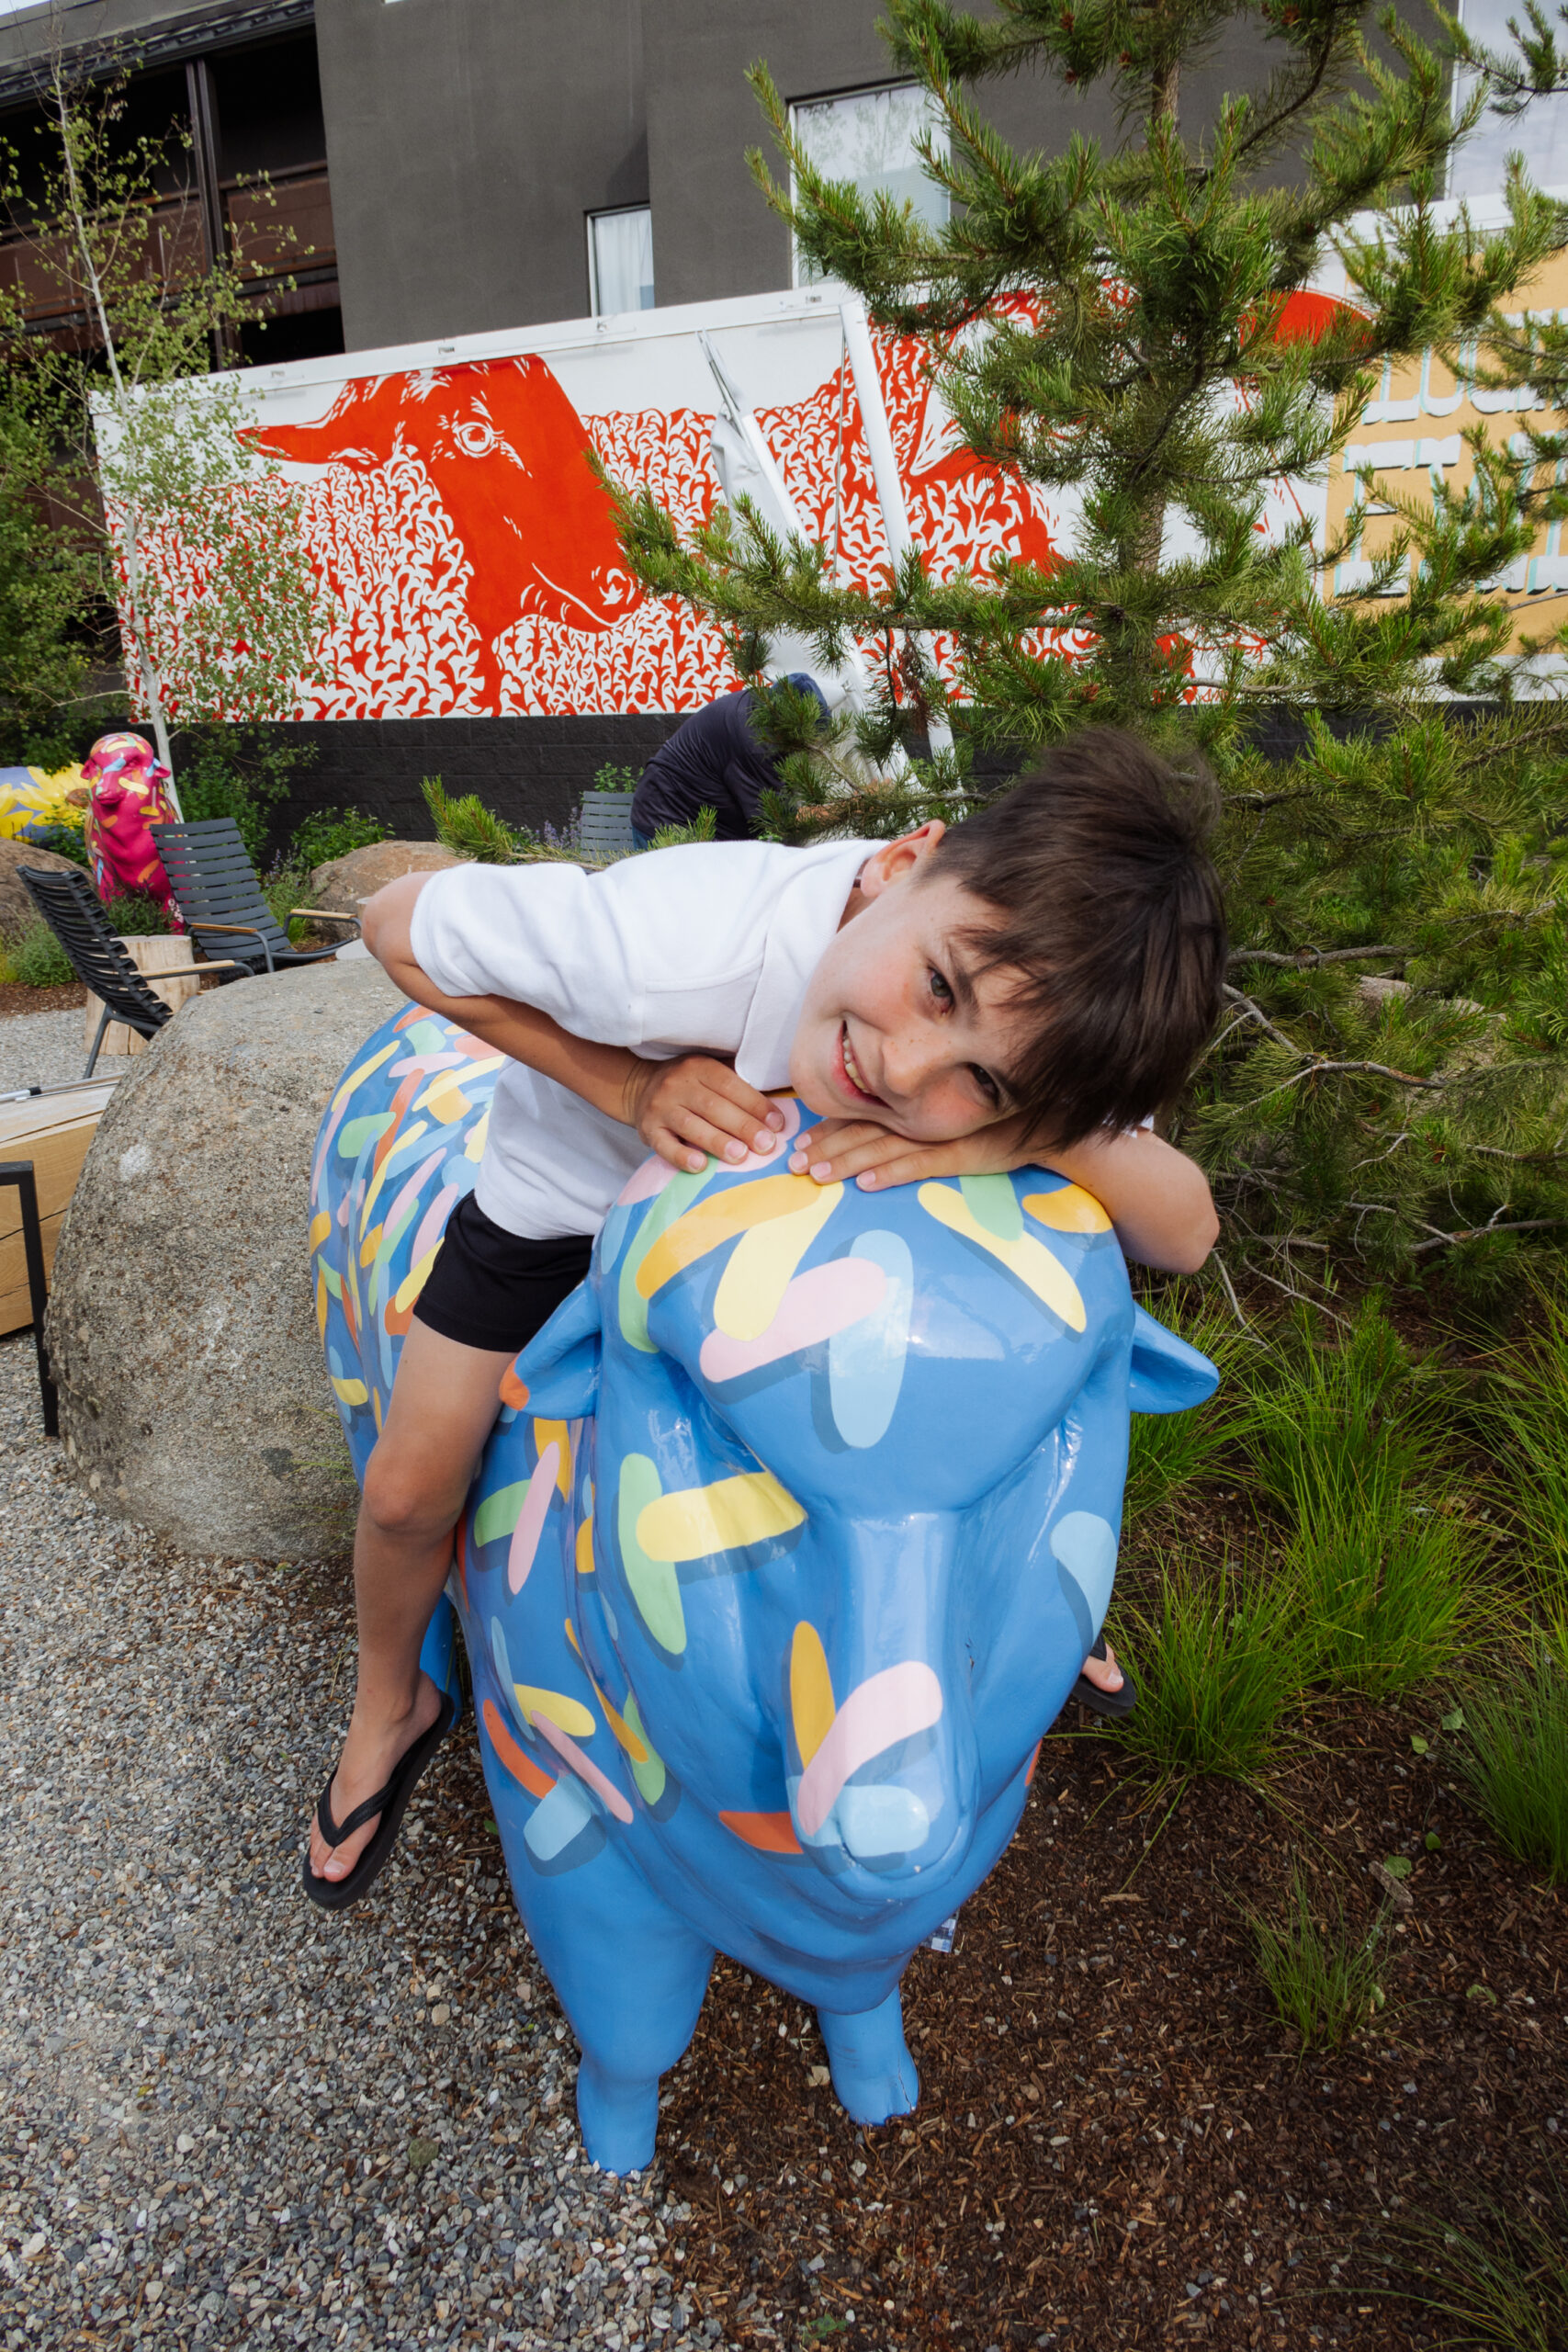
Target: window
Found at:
1540, 133
869, 137
620, 261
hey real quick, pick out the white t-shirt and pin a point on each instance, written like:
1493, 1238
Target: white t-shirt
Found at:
707, 948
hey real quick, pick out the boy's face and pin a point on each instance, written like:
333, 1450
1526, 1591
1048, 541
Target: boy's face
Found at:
897, 1028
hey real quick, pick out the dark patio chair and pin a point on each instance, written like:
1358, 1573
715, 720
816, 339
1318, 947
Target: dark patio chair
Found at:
74, 912
220, 894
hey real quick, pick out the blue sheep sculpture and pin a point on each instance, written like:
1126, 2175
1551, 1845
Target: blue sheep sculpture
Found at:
798, 1521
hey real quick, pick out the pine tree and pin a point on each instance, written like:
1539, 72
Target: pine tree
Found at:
1389, 1078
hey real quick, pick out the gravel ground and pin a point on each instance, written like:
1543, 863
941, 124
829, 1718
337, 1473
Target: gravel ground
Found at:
230, 2119
47, 1049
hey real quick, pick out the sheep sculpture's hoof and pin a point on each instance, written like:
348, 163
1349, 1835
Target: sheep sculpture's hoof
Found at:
874, 2074
618, 2118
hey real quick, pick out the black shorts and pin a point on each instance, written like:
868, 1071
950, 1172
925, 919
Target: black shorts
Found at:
492, 1289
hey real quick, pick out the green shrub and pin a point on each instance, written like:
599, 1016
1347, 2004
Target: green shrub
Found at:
1324, 1415
239, 772
284, 886
1526, 1419
1322, 1977
469, 829
1502, 2273
67, 841
614, 779
1386, 1584
1171, 1452
133, 915
35, 959
327, 833
1513, 1759
1219, 1661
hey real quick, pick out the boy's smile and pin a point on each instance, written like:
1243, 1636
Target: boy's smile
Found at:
897, 1026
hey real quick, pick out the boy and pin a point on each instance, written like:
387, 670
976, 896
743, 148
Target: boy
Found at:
1035, 982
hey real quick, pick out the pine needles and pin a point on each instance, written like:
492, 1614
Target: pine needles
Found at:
469, 829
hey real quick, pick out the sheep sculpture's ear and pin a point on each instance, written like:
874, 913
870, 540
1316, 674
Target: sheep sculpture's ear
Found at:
1166, 1374
560, 1366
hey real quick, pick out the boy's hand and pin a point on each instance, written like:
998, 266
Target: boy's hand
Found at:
875, 1157
1157, 1199
686, 1109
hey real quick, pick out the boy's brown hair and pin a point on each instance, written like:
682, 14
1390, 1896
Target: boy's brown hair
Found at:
1108, 908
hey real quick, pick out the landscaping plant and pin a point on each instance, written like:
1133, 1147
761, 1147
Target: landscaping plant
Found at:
1514, 1760
47, 582
157, 466
469, 829
239, 772
1527, 1421
1321, 1973
35, 959
1220, 1663
1169, 1454
1131, 325
1502, 2275
328, 833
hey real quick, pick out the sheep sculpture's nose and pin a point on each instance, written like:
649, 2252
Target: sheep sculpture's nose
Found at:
886, 1779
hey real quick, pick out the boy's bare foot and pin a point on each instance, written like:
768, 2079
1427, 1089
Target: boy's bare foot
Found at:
1103, 1672
370, 1755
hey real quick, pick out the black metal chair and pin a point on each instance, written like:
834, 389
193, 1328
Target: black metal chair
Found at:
220, 894
19, 1174
74, 912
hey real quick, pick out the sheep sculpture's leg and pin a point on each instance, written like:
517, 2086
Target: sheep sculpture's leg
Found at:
873, 2073
630, 1976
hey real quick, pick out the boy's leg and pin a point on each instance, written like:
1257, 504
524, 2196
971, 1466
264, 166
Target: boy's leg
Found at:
443, 1407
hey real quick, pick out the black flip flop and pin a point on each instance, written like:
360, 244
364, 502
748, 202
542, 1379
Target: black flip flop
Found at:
1111, 1703
390, 1802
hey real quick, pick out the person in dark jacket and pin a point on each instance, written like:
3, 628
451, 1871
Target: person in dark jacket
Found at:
715, 759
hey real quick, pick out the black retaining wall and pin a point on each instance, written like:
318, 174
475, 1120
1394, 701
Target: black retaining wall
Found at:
530, 771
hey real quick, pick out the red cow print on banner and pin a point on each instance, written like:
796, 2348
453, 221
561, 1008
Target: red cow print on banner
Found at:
505, 454
472, 554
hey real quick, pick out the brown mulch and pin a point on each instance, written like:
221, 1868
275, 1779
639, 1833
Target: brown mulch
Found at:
1116, 2142
13, 998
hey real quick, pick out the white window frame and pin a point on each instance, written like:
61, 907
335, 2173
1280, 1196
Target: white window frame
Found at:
609, 212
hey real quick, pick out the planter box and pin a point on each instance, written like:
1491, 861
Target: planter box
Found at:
607, 823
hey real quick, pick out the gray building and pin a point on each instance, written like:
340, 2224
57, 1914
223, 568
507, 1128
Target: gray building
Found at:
461, 164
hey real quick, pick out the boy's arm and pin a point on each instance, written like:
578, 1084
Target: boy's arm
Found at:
1157, 1198
682, 1110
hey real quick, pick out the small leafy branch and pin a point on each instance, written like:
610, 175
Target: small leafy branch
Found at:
199, 543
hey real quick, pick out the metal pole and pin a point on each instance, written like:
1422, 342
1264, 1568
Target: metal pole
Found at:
202, 98
884, 462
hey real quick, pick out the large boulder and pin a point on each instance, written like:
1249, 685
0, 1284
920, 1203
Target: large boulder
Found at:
345, 883
182, 1324
17, 910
